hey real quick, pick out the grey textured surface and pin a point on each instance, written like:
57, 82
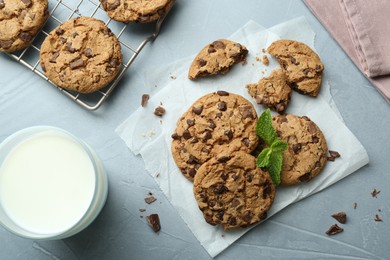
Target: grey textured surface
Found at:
119, 232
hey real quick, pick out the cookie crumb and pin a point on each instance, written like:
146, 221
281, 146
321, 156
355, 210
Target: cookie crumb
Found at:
263, 50
159, 111
144, 100
142, 210
154, 222
150, 199
354, 205
150, 193
265, 60
244, 62
257, 58
173, 77
377, 218
340, 217
333, 230
375, 193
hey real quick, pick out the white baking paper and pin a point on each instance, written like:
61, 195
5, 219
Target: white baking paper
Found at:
150, 136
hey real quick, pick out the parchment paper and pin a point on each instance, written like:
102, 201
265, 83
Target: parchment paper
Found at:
150, 136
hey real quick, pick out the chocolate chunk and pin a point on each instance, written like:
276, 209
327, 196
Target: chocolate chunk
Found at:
334, 154
107, 31
207, 135
267, 189
293, 60
70, 48
377, 218
112, 5
375, 193
25, 36
144, 100
191, 172
330, 158
150, 199
175, 136
249, 177
312, 127
159, 111
202, 62
218, 115
246, 142
222, 106
2, 4
6, 44
232, 221
60, 31
296, 148
154, 222
223, 159
54, 57
306, 177
77, 63
212, 124
229, 134
192, 160
340, 217
190, 122
114, 63
63, 40
197, 110
27, 3
333, 230
88, 52
247, 217
222, 93
219, 188
219, 215
246, 112
219, 45
194, 140
186, 134
211, 49
315, 139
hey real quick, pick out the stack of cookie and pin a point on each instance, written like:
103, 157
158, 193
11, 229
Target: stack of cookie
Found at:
211, 146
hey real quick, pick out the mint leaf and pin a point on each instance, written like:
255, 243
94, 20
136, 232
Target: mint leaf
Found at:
275, 166
264, 127
279, 146
263, 158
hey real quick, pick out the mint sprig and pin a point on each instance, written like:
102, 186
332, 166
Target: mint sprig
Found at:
270, 157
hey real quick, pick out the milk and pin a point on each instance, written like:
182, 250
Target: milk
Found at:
47, 183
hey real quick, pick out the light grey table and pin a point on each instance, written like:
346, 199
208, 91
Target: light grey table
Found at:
119, 232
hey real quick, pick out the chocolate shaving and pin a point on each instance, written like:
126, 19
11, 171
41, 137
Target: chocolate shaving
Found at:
340, 217
159, 111
375, 193
333, 230
377, 218
150, 199
144, 100
154, 222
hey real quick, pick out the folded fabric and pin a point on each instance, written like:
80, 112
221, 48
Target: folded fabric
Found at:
362, 28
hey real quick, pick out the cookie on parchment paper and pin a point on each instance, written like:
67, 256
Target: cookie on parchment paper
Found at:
215, 124
231, 191
81, 55
136, 10
20, 21
306, 155
302, 66
217, 58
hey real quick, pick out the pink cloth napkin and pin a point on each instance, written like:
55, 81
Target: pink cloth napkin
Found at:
362, 28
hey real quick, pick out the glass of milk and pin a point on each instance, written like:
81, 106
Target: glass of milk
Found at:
52, 184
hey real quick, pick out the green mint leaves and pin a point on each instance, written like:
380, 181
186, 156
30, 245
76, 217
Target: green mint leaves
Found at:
270, 157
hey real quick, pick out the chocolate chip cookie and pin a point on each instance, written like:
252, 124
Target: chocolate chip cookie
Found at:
306, 154
136, 10
272, 92
81, 55
217, 58
231, 191
217, 123
20, 21
301, 65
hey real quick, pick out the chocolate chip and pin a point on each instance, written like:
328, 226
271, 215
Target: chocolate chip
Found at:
186, 134
211, 49
212, 203
144, 100
202, 62
340, 217
263, 216
222, 106
63, 40
70, 48
222, 93
333, 230
293, 60
223, 159
235, 203
190, 122
191, 172
218, 115
212, 124
305, 178
159, 111
306, 118
197, 110
334, 154
207, 135
107, 31
205, 150
315, 139
114, 63
175, 136
60, 31
192, 160
154, 222
219, 188
194, 140
249, 177
2, 4
267, 189
319, 68
25, 36
150, 199
247, 217
109, 6
306, 71
232, 221
246, 112
219, 45
54, 57
219, 215
27, 3
77, 63
246, 142
6, 44
296, 148
229, 134
88, 52
312, 127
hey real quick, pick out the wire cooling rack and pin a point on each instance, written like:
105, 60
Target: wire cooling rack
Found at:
132, 41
